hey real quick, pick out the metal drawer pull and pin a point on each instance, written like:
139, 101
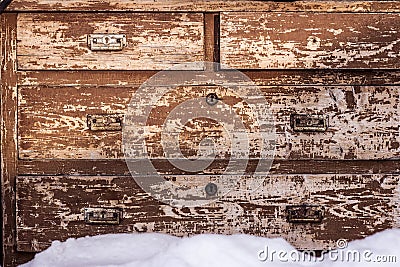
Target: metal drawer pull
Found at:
304, 214
106, 42
309, 122
105, 122
102, 215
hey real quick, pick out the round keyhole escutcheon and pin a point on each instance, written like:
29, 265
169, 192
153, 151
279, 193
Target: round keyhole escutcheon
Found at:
211, 189
212, 99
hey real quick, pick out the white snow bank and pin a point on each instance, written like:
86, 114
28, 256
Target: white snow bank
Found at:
158, 250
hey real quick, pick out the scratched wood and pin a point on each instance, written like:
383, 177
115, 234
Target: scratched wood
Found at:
309, 40
50, 208
119, 167
9, 105
363, 122
154, 41
265, 77
209, 6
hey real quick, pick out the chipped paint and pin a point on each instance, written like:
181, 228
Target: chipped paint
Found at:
155, 41
269, 41
260, 212
208, 6
351, 63
363, 122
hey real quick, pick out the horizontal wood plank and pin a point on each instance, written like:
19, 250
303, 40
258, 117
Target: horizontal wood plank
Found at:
51, 208
210, 6
119, 167
154, 40
260, 40
363, 122
260, 77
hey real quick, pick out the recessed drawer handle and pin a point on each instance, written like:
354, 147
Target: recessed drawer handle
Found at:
106, 42
102, 215
105, 122
309, 122
304, 213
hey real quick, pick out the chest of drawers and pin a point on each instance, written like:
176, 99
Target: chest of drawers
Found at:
328, 71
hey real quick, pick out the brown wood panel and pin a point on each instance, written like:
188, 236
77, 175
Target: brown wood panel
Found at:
8, 87
154, 40
257, 40
260, 77
363, 122
119, 167
210, 37
50, 208
198, 5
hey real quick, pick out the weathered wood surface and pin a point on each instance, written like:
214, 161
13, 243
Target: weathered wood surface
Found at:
8, 88
50, 208
154, 40
119, 167
211, 25
309, 40
201, 5
260, 77
363, 122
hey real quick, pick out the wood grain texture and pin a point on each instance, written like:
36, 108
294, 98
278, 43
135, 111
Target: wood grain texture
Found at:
363, 122
50, 208
119, 167
211, 25
200, 5
260, 77
154, 40
260, 40
8, 135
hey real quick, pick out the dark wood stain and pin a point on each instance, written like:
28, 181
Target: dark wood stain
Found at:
8, 135
118, 167
260, 77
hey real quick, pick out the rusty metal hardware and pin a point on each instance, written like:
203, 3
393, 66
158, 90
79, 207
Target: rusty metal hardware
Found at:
309, 122
105, 122
304, 213
211, 189
102, 215
212, 99
106, 42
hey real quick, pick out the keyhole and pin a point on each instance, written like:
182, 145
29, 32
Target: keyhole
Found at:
212, 99
211, 189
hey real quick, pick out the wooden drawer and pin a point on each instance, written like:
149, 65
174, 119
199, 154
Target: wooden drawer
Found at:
52, 208
362, 122
251, 40
154, 40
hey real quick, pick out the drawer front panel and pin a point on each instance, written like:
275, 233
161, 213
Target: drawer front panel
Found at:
57, 207
154, 41
362, 122
310, 40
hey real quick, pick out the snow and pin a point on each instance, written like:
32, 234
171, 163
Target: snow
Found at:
159, 250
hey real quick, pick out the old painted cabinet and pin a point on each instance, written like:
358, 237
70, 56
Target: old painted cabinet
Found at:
327, 69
